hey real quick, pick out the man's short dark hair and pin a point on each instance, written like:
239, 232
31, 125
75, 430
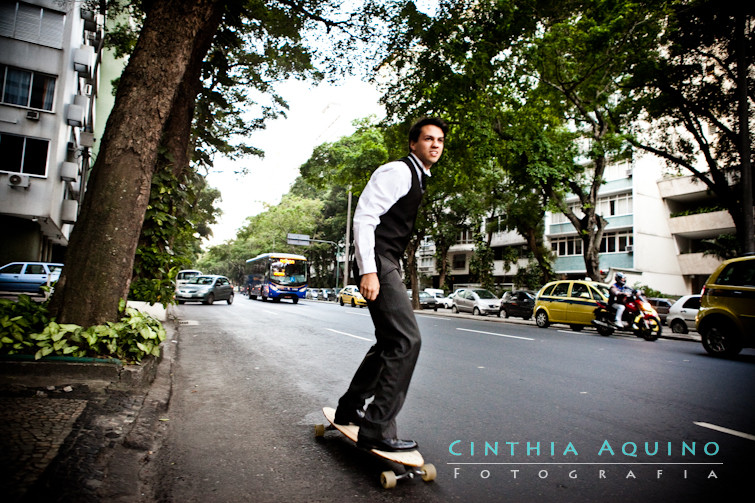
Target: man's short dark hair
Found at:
416, 128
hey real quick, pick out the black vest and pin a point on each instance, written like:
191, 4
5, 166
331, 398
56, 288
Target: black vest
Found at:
395, 229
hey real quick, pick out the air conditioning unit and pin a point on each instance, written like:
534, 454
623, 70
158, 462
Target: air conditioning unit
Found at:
69, 171
32, 115
18, 181
83, 61
86, 139
70, 211
630, 249
75, 115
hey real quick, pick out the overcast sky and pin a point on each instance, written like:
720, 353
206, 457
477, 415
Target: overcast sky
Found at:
316, 115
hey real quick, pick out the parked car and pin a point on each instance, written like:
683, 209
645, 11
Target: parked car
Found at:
206, 289
350, 295
426, 301
446, 302
681, 316
28, 276
661, 306
327, 294
477, 301
519, 303
312, 293
726, 319
569, 301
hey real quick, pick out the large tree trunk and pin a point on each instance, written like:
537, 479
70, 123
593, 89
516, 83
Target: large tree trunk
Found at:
101, 251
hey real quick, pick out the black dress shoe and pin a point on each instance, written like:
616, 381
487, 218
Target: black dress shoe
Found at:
350, 416
386, 444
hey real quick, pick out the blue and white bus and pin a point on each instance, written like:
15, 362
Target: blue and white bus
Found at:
277, 276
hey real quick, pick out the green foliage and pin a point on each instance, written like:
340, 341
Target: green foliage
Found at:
724, 247
25, 329
697, 211
649, 292
178, 215
481, 263
21, 317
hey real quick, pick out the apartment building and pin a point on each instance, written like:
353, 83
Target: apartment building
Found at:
49, 66
656, 224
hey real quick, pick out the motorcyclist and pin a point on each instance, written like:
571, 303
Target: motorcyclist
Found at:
618, 294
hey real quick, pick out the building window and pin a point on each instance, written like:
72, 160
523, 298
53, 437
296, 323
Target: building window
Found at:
466, 236
568, 246
459, 261
23, 155
616, 242
609, 206
32, 23
25, 88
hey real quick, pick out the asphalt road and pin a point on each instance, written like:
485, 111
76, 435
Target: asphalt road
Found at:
505, 411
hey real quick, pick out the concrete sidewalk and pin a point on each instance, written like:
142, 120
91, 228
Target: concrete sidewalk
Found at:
78, 430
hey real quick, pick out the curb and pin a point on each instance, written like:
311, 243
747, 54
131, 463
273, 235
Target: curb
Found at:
124, 478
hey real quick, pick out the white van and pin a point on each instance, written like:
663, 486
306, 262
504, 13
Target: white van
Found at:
185, 275
435, 292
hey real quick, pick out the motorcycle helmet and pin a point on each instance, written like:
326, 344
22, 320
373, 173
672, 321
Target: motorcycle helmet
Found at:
620, 278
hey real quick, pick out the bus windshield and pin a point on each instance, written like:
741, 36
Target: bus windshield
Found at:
288, 272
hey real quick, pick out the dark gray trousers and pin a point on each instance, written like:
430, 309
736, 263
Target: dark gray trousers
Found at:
386, 371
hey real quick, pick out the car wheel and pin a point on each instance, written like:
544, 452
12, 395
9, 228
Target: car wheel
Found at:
719, 339
541, 318
296, 300
181, 301
454, 309
353, 303
230, 299
435, 307
679, 327
476, 312
210, 299
576, 328
505, 313
340, 301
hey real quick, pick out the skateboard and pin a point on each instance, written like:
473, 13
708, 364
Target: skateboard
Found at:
411, 460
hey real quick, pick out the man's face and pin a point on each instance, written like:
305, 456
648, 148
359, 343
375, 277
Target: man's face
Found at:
429, 146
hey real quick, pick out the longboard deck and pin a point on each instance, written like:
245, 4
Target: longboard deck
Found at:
351, 431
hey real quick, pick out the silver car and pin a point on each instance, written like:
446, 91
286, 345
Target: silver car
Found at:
477, 301
206, 289
681, 316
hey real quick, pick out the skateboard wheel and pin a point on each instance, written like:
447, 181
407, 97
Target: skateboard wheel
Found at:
388, 480
319, 430
428, 472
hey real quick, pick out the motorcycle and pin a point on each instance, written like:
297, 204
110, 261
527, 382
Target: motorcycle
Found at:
639, 316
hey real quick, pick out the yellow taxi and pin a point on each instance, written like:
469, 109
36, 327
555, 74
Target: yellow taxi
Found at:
569, 301
726, 319
350, 295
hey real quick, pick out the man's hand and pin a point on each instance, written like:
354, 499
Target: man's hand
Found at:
369, 286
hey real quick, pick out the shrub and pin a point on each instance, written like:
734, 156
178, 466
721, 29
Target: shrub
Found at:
26, 329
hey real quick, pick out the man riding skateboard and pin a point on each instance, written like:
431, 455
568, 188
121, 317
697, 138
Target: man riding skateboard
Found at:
383, 225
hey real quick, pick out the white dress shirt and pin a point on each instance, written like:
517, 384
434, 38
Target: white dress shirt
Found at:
389, 183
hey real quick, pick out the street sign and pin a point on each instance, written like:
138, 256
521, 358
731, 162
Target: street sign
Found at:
298, 239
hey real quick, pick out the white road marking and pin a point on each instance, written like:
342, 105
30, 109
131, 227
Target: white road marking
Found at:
725, 430
497, 335
350, 335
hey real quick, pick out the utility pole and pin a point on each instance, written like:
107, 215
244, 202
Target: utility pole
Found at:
348, 242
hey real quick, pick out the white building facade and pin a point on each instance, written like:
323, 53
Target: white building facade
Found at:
654, 233
49, 65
